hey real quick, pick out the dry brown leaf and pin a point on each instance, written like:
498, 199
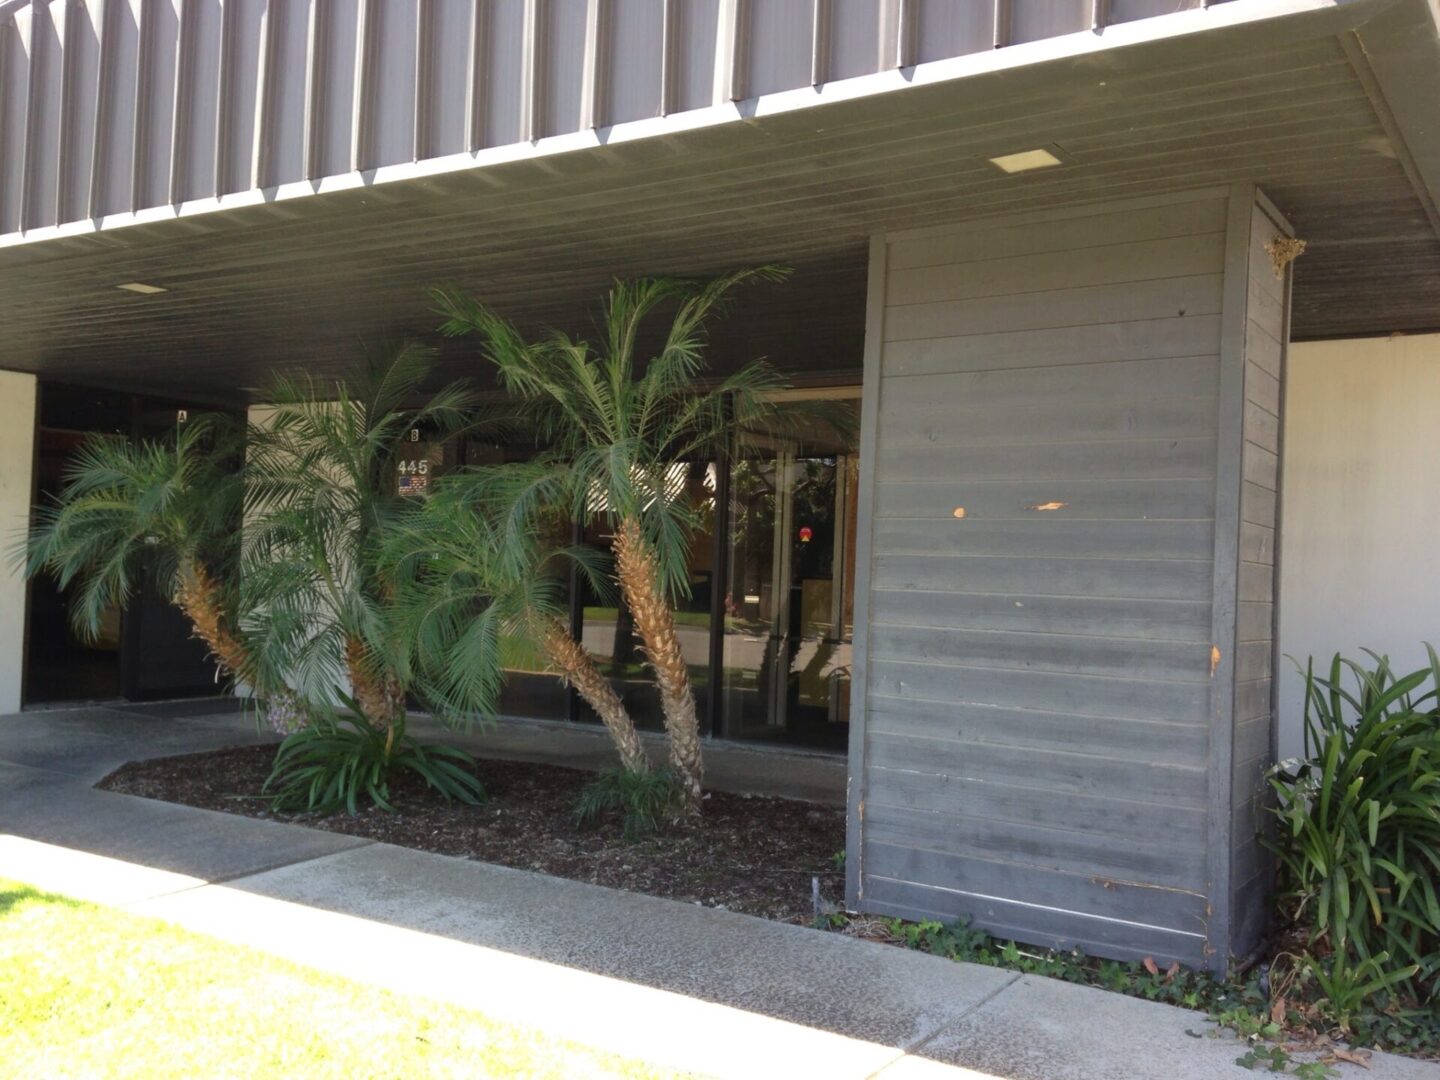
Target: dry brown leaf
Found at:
1278, 1010
1354, 1057
1149, 964
1172, 971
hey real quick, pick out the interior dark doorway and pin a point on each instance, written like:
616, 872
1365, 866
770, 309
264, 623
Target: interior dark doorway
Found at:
144, 652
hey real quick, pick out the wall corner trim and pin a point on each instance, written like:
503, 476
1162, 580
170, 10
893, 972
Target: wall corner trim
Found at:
19, 391
864, 546
1234, 312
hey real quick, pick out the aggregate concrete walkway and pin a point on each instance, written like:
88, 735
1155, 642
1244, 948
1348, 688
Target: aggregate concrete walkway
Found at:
707, 991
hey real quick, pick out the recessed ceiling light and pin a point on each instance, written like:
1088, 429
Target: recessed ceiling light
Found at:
1026, 160
142, 288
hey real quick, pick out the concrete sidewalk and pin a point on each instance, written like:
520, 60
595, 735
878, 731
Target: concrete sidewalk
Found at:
707, 991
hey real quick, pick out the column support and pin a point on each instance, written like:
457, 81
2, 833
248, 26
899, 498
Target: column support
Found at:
18, 408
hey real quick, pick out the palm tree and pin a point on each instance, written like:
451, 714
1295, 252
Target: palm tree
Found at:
166, 506
617, 422
477, 563
320, 486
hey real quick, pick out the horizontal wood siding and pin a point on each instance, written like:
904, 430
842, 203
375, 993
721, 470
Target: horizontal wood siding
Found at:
1266, 332
1038, 672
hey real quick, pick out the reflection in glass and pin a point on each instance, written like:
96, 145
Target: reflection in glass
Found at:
787, 604
789, 609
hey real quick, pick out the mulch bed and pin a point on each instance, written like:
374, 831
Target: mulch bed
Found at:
752, 854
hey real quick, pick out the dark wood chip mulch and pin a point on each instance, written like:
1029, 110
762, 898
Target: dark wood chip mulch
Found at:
752, 854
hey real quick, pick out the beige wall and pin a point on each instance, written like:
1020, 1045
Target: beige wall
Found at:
17, 462
1360, 533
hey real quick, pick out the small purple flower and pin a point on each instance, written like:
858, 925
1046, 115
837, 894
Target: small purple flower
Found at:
285, 713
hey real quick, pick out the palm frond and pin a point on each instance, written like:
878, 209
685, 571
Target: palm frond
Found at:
320, 501
129, 508
620, 425
479, 562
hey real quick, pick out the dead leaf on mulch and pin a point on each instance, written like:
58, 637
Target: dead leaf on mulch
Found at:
1354, 1057
869, 929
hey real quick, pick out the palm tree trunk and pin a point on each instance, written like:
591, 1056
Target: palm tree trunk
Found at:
199, 598
639, 575
579, 670
379, 694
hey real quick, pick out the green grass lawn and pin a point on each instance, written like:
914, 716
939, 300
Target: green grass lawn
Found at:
87, 991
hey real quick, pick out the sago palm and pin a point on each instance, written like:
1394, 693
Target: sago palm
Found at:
618, 418
478, 564
168, 507
320, 486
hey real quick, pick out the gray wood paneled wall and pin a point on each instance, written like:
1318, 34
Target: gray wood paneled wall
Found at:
1266, 336
1052, 525
109, 107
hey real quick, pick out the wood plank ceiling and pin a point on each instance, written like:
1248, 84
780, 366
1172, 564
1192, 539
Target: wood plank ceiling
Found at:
310, 281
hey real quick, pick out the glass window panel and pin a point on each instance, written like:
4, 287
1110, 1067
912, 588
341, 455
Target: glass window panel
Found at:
789, 608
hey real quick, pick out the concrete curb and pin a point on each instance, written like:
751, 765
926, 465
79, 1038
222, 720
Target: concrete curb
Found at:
675, 984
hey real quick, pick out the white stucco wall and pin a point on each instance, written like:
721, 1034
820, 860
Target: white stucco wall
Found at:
17, 470
1360, 532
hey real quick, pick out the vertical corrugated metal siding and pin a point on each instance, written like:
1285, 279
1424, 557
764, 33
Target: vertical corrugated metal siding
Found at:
108, 106
1041, 578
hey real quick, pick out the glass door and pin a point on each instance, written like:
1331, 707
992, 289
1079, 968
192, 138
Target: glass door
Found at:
789, 608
